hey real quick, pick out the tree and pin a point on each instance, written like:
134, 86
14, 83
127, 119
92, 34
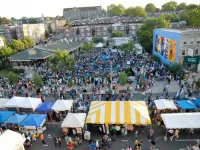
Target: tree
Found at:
117, 34
123, 79
97, 39
176, 68
135, 12
150, 7
192, 17
169, 6
116, 10
18, 45
67, 24
70, 83
128, 48
12, 78
4, 20
181, 6
192, 6
32, 21
87, 46
145, 33
172, 17
46, 34
30, 41
37, 80
6, 51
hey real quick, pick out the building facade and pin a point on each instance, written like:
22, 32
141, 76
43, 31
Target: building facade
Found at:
81, 12
178, 46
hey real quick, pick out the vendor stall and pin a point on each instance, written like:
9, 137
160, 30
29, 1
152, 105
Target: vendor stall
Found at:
162, 104
5, 115
11, 140
181, 120
14, 122
186, 104
29, 103
14, 102
62, 105
118, 112
2, 102
45, 107
197, 102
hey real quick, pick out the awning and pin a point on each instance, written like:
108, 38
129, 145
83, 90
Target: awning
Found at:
17, 119
181, 120
118, 112
5, 115
62, 105
165, 104
35, 120
197, 102
74, 120
44, 107
3, 101
186, 104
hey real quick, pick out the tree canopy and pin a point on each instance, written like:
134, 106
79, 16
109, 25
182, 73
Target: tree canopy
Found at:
169, 6
12, 78
135, 12
116, 10
97, 39
67, 23
117, 34
87, 46
172, 17
181, 6
37, 80
6, 51
4, 20
123, 78
145, 33
128, 48
150, 7
192, 17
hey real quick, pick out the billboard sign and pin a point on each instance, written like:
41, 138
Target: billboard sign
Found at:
1, 42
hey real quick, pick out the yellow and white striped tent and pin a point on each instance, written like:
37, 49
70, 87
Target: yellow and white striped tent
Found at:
118, 112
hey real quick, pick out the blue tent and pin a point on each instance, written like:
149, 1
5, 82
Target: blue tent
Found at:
5, 115
105, 57
197, 102
186, 104
44, 107
17, 119
34, 120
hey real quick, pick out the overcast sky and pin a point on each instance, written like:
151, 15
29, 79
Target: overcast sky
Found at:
35, 8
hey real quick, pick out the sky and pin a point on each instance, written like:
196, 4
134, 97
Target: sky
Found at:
35, 8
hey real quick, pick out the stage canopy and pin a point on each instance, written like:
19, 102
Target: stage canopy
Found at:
44, 107
35, 120
165, 104
5, 115
3, 101
74, 120
197, 102
99, 45
118, 112
181, 120
62, 105
11, 140
17, 119
186, 104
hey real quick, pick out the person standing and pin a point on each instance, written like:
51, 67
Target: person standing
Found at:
176, 134
59, 141
42, 138
153, 144
171, 134
54, 140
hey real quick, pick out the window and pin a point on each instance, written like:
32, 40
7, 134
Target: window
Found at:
122, 28
183, 52
198, 42
196, 52
184, 42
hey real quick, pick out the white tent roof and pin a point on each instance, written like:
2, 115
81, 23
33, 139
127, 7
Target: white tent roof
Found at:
14, 102
165, 104
181, 120
74, 120
30, 102
62, 105
99, 45
3, 101
11, 140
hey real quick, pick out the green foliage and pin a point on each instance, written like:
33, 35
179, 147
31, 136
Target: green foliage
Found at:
172, 17
117, 34
192, 17
176, 68
37, 80
169, 6
150, 7
87, 46
155, 58
135, 12
18, 45
67, 24
6, 51
62, 61
116, 10
145, 33
123, 78
97, 39
128, 48
70, 83
46, 34
4, 20
29, 40
32, 21
17, 71
181, 6
192, 6
12, 78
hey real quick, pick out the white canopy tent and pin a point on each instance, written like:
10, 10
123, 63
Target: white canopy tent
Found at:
62, 105
11, 140
99, 45
3, 101
74, 120
14, 102
165, 104
181, 120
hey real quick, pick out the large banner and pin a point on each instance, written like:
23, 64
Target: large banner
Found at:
166, 47
1, 42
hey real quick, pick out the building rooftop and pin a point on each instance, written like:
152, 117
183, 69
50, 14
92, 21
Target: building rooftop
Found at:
83, 8
181, 30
